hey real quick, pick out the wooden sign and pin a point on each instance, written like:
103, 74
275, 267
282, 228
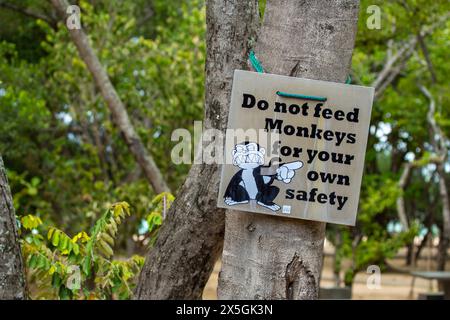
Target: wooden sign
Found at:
295, 147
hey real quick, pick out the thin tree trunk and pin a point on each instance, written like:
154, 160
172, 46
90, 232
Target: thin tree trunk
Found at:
426, 54
400, 202
114, 103
428, 223
267, 257
439, 142
422, 244
12, 280
191, 238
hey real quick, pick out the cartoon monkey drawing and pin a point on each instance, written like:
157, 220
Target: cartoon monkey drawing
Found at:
249, 183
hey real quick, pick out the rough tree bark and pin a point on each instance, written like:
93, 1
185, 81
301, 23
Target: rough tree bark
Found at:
114, 103
191, 238
267, 257
12, 280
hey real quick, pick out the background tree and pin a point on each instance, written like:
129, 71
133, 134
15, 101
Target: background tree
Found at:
12, 281
115, 104
56, 131
400, 157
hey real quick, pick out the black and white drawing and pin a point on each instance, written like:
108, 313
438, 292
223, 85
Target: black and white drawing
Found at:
249, 183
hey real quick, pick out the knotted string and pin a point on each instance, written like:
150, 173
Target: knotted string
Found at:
256, 64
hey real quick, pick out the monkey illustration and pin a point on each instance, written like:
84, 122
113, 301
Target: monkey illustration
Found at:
249, 183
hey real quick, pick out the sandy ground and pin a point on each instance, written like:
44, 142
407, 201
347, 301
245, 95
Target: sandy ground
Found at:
394, 285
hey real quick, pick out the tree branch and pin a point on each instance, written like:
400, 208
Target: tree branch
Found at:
400, 203
426, 54
438, 136
29, 13
114, 104
401, 54
390, 72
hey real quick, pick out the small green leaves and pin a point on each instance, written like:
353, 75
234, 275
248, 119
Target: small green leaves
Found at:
104, 248
51, 260
63, 242
105, 230
38, 261
65, 293
81, 236
160, 205
154, 220
30, 222
107, 238
76, 249
120, 209
32, 261
55, 238
113, 226
86, 265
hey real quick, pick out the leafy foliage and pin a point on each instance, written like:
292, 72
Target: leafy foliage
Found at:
81, 267
55, 128
399, 132
159, 206
66, 160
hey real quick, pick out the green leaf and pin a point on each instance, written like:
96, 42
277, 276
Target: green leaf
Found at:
50, 233
65, 293
63, 243
30, 222
56, 280
33, 261
55, 238
32, 191
35, 181
104, 248
87, 266
76, 249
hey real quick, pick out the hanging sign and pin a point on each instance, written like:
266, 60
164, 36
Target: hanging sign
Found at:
295, 147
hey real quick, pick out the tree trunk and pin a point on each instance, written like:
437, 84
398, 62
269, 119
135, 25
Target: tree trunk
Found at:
439, 142
114, 103
400, 202
268, 257
444, 240
191, 237
12, 280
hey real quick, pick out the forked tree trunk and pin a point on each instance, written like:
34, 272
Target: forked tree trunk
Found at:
191, 238
268, 257
12, 281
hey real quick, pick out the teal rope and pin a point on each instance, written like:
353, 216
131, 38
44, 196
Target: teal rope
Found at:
300, 96
255, 62
258, 68
349, 80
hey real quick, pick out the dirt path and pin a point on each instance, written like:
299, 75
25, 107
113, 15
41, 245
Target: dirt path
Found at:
396, 286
